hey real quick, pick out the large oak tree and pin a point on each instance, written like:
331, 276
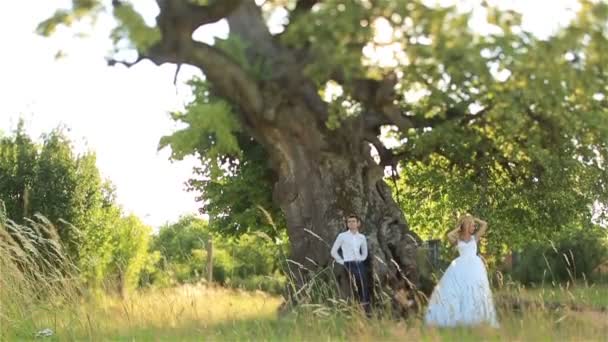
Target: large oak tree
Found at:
317, 92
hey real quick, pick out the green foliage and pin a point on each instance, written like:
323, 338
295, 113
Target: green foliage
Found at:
434, 193
342, 108
97, 249
238, 260
133, 29
574, 256
233, 201
215, 119
223, 266
80, 9
18, 155
235, 178
254, 255
336, 33
177, 241
130, 29
56, 186
49, 26
211, 128
49, 183
49, 179
236, 48
130, 239
182, 247
531, 158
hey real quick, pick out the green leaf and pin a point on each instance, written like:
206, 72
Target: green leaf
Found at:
133, 28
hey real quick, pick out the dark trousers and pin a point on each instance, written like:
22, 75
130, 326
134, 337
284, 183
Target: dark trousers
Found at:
357, 275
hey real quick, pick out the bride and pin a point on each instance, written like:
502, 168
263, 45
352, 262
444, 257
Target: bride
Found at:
463, 296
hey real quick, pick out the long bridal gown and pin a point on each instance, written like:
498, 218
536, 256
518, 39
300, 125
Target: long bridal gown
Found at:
463, 296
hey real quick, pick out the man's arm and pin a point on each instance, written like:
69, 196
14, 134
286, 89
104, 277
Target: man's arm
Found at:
334, 250
364, 249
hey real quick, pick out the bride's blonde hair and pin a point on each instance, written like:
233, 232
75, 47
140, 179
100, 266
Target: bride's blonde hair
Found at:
462, 220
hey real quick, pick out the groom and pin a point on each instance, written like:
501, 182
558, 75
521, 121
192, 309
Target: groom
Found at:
354, 253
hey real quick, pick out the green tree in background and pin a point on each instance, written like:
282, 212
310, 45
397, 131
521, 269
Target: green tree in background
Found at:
182, 248
18, 155
130, 238
98, 245
50, 179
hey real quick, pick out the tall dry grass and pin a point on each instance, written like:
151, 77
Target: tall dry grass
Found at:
39, 289
38, 277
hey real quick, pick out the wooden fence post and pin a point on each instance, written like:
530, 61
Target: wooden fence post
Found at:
434, 253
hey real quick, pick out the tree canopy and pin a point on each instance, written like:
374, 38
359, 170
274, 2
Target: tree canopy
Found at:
506, 95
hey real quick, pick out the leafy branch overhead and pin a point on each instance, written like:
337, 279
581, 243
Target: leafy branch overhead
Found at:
420, 83
455, 71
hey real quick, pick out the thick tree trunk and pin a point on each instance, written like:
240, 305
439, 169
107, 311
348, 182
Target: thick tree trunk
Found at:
324, 175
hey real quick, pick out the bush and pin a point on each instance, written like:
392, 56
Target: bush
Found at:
572, 257
223, 266
271, 284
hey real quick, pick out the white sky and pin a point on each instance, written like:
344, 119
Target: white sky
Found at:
121, 113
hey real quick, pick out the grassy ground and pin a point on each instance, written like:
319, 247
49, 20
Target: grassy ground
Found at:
584, 297
195, 313
36, 293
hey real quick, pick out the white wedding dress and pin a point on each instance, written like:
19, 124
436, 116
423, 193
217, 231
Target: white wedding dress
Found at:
463, 296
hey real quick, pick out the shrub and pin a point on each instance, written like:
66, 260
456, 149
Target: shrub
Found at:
271, 284
573, 256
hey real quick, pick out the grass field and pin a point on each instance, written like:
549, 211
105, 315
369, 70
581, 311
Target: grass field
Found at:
37, 294
195, 313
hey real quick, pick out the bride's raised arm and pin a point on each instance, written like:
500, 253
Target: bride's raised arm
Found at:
453, 235
483, 227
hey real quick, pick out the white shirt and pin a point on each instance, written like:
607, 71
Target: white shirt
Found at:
354, 247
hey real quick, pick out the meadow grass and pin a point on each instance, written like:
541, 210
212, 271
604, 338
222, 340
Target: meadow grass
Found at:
195, 313
36, 294
594, 297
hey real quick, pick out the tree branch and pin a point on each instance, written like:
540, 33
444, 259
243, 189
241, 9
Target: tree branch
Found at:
302, 7
305, 5
390, 157
378, 98
193, 16
154, 54
114, 62
227, 76
177, 21
385, 154
373, 119
217, 10
369, 92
